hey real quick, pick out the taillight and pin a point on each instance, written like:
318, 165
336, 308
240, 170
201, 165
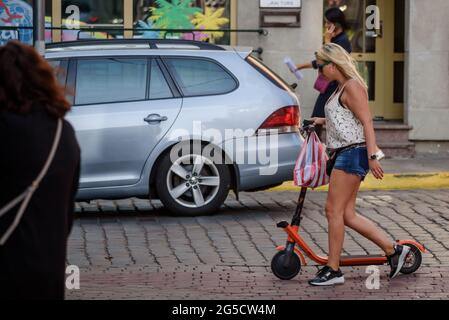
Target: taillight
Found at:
285, 119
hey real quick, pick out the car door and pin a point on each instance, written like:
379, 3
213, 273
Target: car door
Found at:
123, 106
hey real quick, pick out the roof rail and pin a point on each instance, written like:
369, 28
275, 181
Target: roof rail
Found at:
152, 43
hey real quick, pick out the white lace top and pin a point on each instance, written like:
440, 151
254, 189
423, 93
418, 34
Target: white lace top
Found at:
342, 126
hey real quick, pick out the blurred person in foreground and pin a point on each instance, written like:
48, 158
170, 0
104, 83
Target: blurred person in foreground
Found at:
32, 110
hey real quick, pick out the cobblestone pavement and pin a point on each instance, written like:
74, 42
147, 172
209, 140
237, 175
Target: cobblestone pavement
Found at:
132, 249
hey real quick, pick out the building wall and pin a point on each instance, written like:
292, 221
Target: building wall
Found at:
427, 70
426, 57
297, 43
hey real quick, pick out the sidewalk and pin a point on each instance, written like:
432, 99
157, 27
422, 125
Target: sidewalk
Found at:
419, 165
422, 172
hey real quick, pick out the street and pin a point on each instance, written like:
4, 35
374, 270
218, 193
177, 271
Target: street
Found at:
184, 101
132, 249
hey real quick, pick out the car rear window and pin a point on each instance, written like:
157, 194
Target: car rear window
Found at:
268, 73
200, 77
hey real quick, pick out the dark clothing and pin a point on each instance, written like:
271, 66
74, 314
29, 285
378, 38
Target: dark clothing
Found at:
318, 111
342, 40
33, 260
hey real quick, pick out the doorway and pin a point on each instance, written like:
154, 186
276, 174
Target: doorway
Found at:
379, 53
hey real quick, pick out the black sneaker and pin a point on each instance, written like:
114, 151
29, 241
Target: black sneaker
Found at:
328, 277
396, 260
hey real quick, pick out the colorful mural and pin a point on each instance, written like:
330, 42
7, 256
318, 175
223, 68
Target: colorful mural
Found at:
14, 13
174, 15
212, 19
186, 14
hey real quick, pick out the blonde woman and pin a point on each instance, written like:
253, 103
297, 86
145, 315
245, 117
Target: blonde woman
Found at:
350, 135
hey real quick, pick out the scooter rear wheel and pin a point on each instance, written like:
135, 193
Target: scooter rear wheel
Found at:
412, 261
285, 272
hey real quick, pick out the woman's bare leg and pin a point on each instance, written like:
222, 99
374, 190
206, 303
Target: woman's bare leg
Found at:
341, 190
366, 227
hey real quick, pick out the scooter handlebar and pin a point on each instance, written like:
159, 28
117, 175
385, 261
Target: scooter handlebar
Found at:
307, 122
308, 126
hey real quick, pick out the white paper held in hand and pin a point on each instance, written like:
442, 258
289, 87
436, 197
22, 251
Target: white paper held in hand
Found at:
289, 62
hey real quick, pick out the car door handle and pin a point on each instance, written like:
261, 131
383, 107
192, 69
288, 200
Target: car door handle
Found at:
155, 118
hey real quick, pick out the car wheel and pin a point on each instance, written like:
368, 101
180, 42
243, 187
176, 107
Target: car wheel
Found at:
192, 184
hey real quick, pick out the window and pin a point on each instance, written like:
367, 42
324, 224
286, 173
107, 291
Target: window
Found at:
48, 21
159, 88
60, 68
95, 13
110, 80
399, 26
362, 40
367, 70
16, 14
268, 73
398, 89
55, 64
197, 77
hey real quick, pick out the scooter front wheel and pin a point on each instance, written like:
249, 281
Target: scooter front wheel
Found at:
283, 271
412, 261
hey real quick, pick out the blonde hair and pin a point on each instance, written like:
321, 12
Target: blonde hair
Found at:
345, 63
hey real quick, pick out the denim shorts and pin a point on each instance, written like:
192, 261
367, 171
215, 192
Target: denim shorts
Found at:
353, 161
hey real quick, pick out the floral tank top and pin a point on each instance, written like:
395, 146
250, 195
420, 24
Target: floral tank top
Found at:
342, 126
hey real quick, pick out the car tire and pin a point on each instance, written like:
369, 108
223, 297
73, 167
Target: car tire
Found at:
188, 195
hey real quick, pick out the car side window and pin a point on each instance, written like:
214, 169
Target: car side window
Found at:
60, 68
55, 63
159, 88
110, 80
200, 77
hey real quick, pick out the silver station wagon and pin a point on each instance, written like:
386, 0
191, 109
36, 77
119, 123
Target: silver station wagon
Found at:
180, 121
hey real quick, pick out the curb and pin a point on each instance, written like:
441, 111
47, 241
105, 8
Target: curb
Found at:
395, 181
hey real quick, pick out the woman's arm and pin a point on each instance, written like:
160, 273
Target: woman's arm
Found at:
355, 97
308, 65
318, 121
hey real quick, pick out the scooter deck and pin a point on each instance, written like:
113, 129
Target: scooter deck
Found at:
363, 260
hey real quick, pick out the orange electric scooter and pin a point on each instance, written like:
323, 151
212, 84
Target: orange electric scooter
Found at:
286, 264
